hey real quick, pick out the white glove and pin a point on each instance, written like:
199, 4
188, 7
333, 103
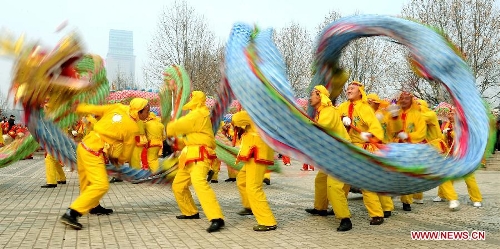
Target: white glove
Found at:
74, 133
365, 136
402, 135
346, 121
445, 131
379, 116
393, 110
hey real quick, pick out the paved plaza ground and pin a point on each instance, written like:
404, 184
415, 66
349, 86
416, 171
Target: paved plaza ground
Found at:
145, 216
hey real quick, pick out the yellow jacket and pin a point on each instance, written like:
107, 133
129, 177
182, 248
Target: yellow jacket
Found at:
383, 117
155, 132
328, 117
198, 137
113, 134
412, 123
434, 136
252, 145
363, 118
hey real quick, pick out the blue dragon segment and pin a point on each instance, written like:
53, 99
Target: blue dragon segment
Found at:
397, 169
440, 65
51, 138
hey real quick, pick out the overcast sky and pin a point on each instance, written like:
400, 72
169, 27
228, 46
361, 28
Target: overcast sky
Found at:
93, 19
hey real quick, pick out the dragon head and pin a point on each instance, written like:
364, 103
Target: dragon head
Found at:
42, 76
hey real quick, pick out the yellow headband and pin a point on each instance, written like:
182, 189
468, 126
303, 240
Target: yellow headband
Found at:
198, 99
374, 97
136, 105
361, 90
324, 95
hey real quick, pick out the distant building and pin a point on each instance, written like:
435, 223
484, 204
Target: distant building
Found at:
120, 61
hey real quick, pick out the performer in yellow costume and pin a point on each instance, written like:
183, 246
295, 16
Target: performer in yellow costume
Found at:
378, 107
2, 142
155, 133
257, 156
446, 190
433, 137
407, 125
195, 161
54, 172
140, 148
232, 173
365, 132
114, 137
327, 187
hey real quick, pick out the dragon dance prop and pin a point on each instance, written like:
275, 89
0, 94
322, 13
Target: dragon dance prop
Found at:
255, 72
47, 78
18, 149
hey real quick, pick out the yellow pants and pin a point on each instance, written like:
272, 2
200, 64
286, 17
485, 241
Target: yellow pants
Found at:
373, 203
153, 162
249, 181
231, 173
195, 173
408, 199
447, 191
135, 159
53, 170
216, 168
93, 180
386, 202
321, 191
267, 175
338, 199
418, 196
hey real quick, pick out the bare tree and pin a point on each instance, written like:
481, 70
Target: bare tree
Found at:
3, 104
122, 81
329, 18
474, 26
295, 44
369, 61
373, 61
183, 38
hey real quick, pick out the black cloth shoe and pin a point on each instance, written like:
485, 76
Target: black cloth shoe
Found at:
61, 182
245, 211
49, 186
230, 180
345, 225
330, 212
406, 207
262, 228
188, 217
387, 214
216, 225
99, 210
214, 181
355, 190
70, 218
317, 212
376, 221
114, 179
210, 175
267, 181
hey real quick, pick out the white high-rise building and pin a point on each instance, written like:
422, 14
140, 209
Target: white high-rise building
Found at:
120, 61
